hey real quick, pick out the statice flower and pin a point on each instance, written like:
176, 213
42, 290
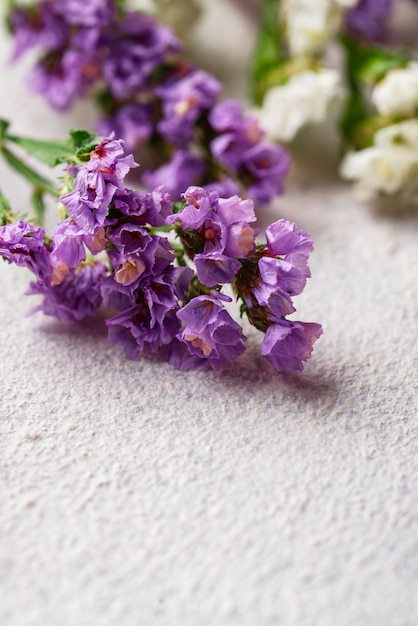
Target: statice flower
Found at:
389, 168
75, 297
150, 321
89, 14
287, 344
184, 166
133, 122
65, 78
209, 332
308, 98
138, 46
184, 101
369, 19
113, 254
397, 93
216, 233
153, 98
312, 25
24, 245
40, 27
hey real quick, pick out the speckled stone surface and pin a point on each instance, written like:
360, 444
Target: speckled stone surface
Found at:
135, 495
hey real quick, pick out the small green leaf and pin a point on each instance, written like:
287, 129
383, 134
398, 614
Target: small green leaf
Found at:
83, 143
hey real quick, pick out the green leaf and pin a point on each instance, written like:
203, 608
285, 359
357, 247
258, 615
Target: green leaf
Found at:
83, 143
50, 152
4, 125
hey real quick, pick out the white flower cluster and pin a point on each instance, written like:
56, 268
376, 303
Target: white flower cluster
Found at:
397, 93
389, 167
311, 24
307, 98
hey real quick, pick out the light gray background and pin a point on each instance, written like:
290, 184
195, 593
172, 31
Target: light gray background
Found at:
135, 495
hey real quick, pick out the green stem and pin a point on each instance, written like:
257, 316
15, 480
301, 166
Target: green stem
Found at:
6, 213
269, 52
40, 183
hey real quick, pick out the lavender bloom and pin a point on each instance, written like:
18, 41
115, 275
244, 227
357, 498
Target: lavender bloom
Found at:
267, 164
91, 13
144, 208
40, 27
109, 160
138, 47
288, 344
369, 19
24, 244
209, 332
62, 78
76, 297
228, 116
132, 123
183, 102
295, 246
216, 232
238, 133
137, 259
176, 175
88, 204
148, 323
69, 244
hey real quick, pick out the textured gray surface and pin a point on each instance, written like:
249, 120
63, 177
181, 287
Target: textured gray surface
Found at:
133, 494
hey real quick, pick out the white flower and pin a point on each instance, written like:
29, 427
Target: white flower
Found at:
307, 98
311, 24
397, 93
390, 167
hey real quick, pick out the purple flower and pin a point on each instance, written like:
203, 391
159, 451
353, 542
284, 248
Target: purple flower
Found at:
110, 161
132, 123
88, 204
37, 26
216, 232
183, 102
62, 78
369, 19
294, 246
267, 164
144, 208
215, 268
209, 332
185, 167
288, 344
136, 260
24, 244
74, 298
148, 323
228, 116
69, 242
138, 47
81, 12
225, 187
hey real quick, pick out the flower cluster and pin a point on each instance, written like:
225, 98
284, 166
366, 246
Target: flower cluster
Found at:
167, 110
332, 64
156, 269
